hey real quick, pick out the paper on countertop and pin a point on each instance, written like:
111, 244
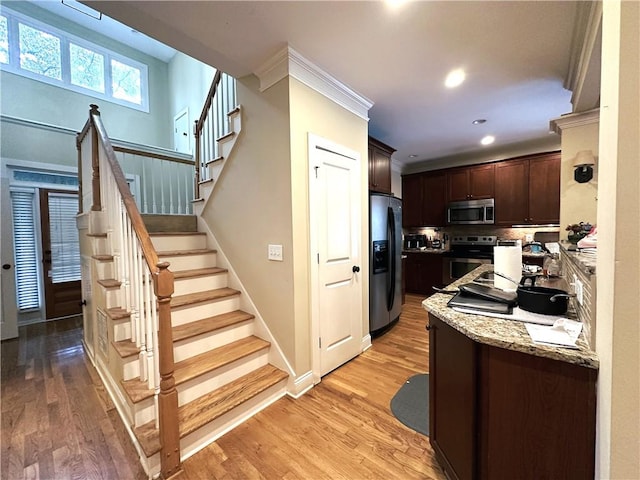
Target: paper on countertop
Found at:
563, 333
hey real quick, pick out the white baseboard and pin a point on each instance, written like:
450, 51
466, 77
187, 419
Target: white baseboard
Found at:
300, 385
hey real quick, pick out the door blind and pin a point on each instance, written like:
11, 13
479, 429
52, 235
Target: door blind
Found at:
26, 255
65, 244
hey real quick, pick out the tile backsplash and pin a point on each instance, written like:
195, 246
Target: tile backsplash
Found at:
501, 233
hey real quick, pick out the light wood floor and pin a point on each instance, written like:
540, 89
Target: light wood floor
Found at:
57, 422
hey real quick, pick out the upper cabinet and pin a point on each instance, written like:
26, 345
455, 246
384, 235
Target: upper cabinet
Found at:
424, 199
379, 166
471, 183
527, 190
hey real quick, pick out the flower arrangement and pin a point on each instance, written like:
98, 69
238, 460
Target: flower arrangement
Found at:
577, 231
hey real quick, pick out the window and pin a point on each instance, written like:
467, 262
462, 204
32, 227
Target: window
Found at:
25, 250
65, 245
41, 52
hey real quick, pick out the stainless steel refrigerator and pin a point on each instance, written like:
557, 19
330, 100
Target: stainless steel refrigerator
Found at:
385, 264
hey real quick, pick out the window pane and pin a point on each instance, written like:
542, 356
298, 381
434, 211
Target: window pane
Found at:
40, 52
87, 68
125, 82
26, 257
4, 40
65, 245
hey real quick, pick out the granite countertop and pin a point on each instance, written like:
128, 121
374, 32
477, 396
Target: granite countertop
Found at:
508, 334
586, 264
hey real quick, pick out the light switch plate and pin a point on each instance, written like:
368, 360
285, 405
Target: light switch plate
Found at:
275, 253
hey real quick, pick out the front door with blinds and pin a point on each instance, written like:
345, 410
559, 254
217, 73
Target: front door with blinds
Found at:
60, 253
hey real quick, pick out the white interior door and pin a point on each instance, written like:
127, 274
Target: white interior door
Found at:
8, 310
181, 132
335, 205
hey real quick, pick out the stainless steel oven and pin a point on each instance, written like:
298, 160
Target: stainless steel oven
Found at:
455, 268
466, 253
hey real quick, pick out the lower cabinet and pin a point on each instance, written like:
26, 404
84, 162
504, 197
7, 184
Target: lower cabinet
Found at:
496, 413
423, 271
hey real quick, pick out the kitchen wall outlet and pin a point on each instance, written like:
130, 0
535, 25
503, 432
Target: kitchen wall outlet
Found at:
528, 238
577, 288
275, 253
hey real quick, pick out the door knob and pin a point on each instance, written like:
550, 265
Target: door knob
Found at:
355, 269
6, 266
83, 303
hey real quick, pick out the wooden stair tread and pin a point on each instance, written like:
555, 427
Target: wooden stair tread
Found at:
103, 258
204, 182
97, 235
204, 296
214, 160
175, 253
207, 408
226, 136
198, 272
126, 348
193, 367
118, 313
210, 324
110, 283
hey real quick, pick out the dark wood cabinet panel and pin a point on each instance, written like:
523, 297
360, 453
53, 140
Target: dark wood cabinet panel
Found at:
544, 189
527, 190
434, 204
379, 166
423, 272
471, 183
512, 192
498, 413
412, 201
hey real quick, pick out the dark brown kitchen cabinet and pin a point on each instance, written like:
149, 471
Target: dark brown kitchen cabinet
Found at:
379, 166
412, 200
423, 272
470, 183
527, 190
498, 413
424, 199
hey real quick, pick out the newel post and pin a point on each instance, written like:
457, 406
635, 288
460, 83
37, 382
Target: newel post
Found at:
168, 397
196, 187
95, 161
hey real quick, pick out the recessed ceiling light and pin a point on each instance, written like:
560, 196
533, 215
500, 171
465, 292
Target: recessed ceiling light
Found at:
455, 78
413, 155
478, 121
488, 140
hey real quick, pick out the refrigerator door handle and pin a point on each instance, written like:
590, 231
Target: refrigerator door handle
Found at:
391, 275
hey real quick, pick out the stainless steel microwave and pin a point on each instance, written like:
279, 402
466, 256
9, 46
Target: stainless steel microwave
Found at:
471, 212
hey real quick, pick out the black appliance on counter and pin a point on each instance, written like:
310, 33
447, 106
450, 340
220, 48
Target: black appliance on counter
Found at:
466, 253
413, 241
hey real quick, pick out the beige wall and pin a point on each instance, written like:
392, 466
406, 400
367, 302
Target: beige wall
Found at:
618, 265
262, 198
312, 112
578, 201
251, 206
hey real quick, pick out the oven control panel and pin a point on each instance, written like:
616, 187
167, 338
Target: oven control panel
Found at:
487, 240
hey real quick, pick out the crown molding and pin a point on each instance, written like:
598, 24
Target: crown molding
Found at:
572, 120
288, 62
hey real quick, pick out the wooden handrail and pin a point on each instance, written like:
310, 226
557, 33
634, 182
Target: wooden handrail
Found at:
208, 101
149, 252
163, 286
158, 156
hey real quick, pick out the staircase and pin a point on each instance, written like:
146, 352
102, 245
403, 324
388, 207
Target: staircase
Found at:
222, 371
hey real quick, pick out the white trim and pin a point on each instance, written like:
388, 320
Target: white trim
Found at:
289, 62
301, 385
366, 343
572, 120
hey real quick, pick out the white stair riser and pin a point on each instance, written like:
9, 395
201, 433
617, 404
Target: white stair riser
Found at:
184, 286
113, 297
130, 367
104, 269
188, 262
197, 241
144, 411
213, 430
180, 316
191, 347
189, 391
100, 246
122, 330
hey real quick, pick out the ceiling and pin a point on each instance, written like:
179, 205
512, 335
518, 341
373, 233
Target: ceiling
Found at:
516, 56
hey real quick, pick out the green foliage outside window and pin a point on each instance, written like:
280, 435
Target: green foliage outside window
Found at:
87, 68
40, 52
4, 40
125, 82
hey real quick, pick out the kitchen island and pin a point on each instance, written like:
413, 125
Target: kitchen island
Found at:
501, 406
